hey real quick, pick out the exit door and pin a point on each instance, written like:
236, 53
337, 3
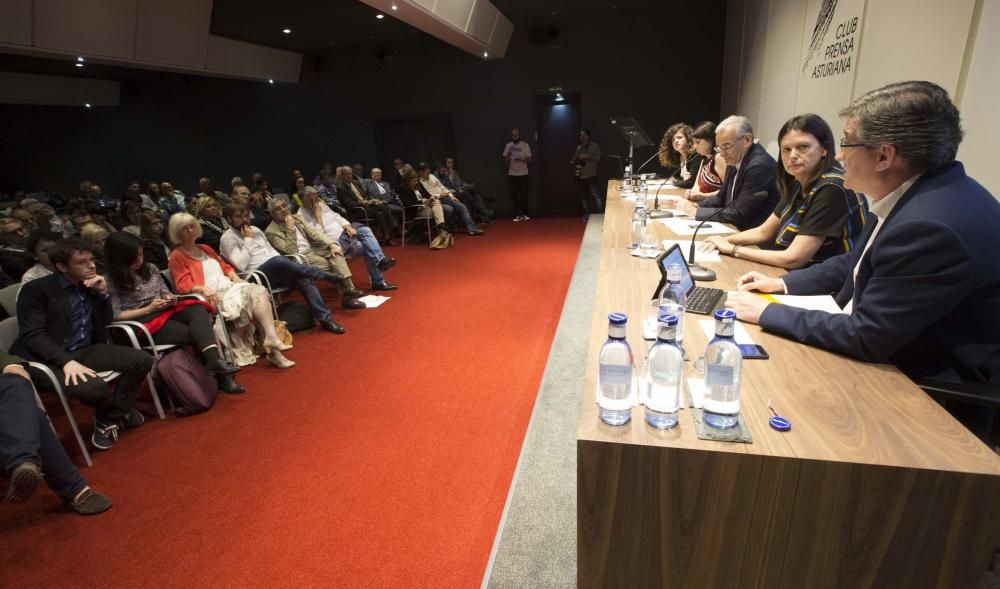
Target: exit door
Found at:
558, 135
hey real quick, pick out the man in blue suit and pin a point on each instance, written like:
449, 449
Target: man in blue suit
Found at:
923, 289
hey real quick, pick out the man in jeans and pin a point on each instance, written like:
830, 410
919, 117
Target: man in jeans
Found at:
585, 160
31, 450
517, 156
62, 320
248, 250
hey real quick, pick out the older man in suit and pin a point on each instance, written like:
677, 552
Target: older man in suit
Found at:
377, 188
748, 194
923, 288
62, 320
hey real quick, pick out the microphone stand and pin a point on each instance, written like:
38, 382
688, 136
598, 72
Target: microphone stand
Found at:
658, 152
658, 214
697, 271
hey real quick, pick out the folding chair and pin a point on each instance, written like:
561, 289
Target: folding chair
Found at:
417, 211
8, 298
228, 351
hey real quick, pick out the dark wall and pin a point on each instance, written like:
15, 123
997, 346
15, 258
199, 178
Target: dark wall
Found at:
180, 128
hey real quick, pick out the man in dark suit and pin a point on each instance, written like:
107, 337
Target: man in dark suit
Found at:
31, 450
749, 185
923, 289
62, 319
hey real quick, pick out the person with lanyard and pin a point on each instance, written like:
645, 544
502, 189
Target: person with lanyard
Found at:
817, 217
922, 286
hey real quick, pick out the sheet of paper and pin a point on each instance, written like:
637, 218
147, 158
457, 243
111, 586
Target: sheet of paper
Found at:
699, 256
372, 301
813, 302
739, 334
687, 226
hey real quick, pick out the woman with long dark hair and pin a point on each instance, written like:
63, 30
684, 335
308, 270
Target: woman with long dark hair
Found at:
817, 218
712, 170
678, 153
138, 293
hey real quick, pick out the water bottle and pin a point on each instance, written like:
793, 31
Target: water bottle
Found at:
723, 365
614, 396
627, 180
638, 223
664, 370
673, 299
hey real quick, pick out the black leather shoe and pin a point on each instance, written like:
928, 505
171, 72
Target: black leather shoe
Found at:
228, 384
385, 286
476, 232
353, 304
352, 293
332, 326
386, 263
218, 367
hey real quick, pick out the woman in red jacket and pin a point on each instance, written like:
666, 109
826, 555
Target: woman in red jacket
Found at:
196, 268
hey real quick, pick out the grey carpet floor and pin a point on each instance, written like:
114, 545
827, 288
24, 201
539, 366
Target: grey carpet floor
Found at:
536, 541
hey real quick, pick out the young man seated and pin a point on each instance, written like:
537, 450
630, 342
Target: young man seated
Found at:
31, 450
63, 319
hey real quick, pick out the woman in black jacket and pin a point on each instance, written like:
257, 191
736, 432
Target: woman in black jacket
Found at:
679, 154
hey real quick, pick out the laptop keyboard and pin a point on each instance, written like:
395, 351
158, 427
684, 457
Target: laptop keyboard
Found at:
703, 300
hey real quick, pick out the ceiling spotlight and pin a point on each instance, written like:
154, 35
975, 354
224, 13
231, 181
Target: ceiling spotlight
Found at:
558, 96
380, 16
87, 105
485, 54
394, 7
80, 59
270, 80
286, 31
78, 64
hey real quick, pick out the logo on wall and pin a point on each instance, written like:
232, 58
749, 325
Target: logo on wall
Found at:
833, 48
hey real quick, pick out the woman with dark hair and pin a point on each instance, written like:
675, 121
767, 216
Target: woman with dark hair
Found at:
678, 153
152, 232
712, 170
132, 217
817, 218
296, 190
138, 293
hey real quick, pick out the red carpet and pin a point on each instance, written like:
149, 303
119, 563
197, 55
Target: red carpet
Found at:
382, 460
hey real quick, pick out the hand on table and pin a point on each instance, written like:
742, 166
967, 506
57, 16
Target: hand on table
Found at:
748, 306
760, 282
715, 242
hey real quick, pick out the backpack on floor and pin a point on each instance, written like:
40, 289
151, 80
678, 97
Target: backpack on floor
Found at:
193, 388
296, 316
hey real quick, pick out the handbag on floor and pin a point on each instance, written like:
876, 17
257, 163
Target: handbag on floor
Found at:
296, 316
193, 388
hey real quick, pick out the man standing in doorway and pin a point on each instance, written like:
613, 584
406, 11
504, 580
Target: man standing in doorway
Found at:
585, 160
517, 156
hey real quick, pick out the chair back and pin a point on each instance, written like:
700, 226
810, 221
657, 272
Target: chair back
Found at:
8, 333
8, 298
169, 279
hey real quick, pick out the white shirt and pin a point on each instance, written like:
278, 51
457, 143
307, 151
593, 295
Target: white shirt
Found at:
434, 186
333, 224
35, 272
246, 253
302, 241
882, 209
378, 185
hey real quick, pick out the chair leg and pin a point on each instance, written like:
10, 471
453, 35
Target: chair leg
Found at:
76, 428
155, 395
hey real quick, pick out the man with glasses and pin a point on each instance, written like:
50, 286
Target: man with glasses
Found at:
922, 288
748, 194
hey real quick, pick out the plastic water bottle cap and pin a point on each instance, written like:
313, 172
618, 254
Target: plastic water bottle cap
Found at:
618, 318
667, 318
779, 423
725, 314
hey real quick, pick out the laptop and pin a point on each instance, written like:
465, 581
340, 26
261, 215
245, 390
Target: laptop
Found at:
700, 299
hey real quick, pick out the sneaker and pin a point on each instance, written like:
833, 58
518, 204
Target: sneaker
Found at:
105, 435
88, 502
525, 217
24, 479
517, 219
132, 420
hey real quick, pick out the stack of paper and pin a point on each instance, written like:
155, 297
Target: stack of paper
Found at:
812, 303
687, 227
372, 301
700, 257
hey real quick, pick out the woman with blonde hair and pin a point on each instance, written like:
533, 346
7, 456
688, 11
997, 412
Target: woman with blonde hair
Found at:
213, 223
196, 268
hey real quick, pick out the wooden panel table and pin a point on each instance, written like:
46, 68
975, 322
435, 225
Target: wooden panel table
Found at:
875, 486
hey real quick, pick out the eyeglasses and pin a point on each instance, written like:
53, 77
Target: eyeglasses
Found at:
844, 144
726, 146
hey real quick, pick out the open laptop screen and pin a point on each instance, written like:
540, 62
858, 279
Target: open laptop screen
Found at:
675, 256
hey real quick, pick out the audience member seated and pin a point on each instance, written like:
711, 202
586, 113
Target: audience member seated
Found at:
298, 185
24, 216
213, 224
170, 201
262, 191
358, 171
46, 217
397, 179
353, 242
205, 189
466, 192
196, 268
153, 194
432, 187
248, 250
153, 234
132, 218
95, 235
32, 452
378, 189
712, 168
15, 259
138, 293
678, 154
132, 194
39, 245
817, 217
922, 286
410, 195
95, 198
62, 320
359, 206
259, 216
289, 235
748, 192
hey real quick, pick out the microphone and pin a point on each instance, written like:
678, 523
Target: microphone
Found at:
697, 271
658, 152
657, 214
